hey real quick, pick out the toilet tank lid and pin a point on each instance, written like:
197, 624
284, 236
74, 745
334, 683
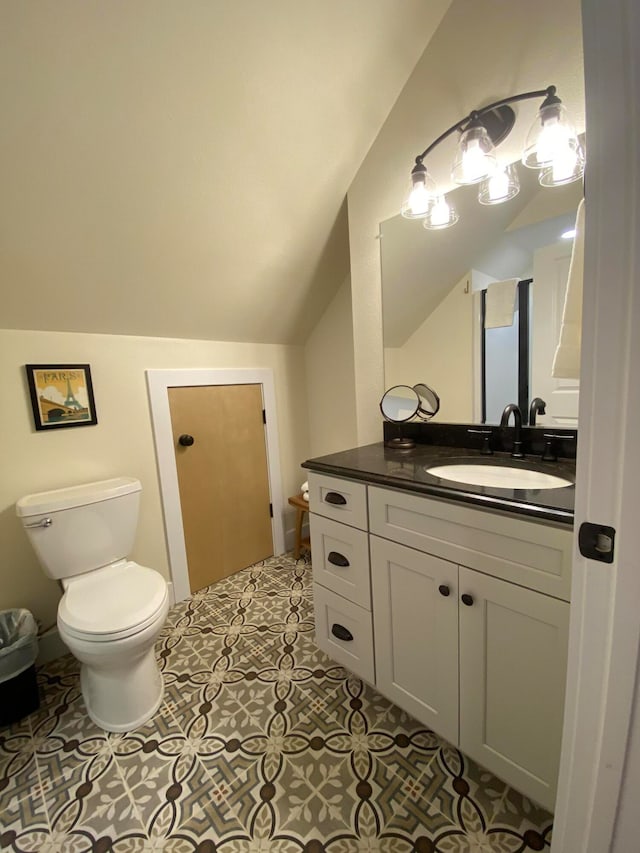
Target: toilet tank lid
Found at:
87, 493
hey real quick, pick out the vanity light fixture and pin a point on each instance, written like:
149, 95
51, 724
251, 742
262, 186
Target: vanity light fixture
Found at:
552, 146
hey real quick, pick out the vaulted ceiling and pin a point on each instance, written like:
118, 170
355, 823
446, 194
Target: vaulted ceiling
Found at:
180, 168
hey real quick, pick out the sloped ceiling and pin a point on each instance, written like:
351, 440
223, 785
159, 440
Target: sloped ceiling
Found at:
180, 168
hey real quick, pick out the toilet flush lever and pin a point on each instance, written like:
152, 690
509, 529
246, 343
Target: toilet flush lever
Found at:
44, 522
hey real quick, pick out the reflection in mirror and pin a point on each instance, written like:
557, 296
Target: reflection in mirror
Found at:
400, 404
432, 283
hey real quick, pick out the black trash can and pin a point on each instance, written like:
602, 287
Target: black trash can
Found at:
18, 653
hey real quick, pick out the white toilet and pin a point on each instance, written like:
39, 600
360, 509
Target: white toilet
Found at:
112, 609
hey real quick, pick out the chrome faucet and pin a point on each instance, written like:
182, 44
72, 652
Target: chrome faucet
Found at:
516, 453
537, 407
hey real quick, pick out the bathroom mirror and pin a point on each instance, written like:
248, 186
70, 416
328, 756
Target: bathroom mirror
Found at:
432, 283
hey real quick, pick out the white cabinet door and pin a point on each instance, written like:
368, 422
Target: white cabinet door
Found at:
415, 606
513, 655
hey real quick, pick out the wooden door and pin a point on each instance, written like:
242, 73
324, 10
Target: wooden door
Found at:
222, 477
513, 660
415, 606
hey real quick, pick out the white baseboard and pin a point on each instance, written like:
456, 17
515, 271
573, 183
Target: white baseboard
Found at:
50, 647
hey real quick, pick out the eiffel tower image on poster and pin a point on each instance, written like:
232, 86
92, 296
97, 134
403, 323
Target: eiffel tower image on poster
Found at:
70, 401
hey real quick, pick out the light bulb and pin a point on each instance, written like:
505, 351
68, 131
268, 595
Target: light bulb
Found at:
498, 185
567, 166
553, 142
474, 162
502, 185
422, 189
553, 145
441, 214
563, 165
419, 199
475, 157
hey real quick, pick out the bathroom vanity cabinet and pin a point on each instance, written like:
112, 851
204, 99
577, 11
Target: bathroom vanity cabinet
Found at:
458, 614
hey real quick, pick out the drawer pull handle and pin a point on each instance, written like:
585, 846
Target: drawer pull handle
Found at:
335, 499
467, 599
341, 632
443, 589
337, 559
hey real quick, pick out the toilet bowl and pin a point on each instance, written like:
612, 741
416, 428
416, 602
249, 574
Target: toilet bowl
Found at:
113, 609
110, 620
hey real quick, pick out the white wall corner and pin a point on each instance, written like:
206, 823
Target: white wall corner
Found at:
50, 647
290, 536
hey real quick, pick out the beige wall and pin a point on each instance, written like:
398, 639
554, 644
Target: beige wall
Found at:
330, 378
121, 442
480, 52
440, 353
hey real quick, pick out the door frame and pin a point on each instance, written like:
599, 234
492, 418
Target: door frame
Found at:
158, 383
596, 809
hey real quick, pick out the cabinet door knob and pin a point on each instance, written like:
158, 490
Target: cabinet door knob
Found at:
335, 499
341, 632
467, 599
443, 589
337, 559
186, 440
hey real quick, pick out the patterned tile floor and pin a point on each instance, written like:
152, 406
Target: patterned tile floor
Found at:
262, 745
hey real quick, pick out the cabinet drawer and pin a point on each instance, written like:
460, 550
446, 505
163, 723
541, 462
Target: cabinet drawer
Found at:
534, 555
341, 500
341, 559
344, 632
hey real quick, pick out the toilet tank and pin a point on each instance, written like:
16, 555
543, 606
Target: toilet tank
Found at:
81, 528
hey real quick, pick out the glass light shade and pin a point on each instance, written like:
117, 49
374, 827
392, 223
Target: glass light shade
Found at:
500, 186
422, 191
565, 169
441, 214
552, 138
476, 157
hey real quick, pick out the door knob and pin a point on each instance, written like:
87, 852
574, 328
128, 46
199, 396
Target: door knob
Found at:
467, 599
443, 589
186, 440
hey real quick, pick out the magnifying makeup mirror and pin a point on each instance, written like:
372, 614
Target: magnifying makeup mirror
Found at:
429, 401
402, 403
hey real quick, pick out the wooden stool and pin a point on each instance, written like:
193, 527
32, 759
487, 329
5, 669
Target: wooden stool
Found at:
301, 506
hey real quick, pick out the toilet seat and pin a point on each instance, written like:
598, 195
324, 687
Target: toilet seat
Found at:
112, 603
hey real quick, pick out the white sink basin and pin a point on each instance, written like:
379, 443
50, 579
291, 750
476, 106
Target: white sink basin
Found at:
499, 477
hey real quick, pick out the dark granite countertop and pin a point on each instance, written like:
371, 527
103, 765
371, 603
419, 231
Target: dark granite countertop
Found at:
405, 470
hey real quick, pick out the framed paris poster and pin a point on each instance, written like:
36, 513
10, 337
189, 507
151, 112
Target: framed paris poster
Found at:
61, 395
